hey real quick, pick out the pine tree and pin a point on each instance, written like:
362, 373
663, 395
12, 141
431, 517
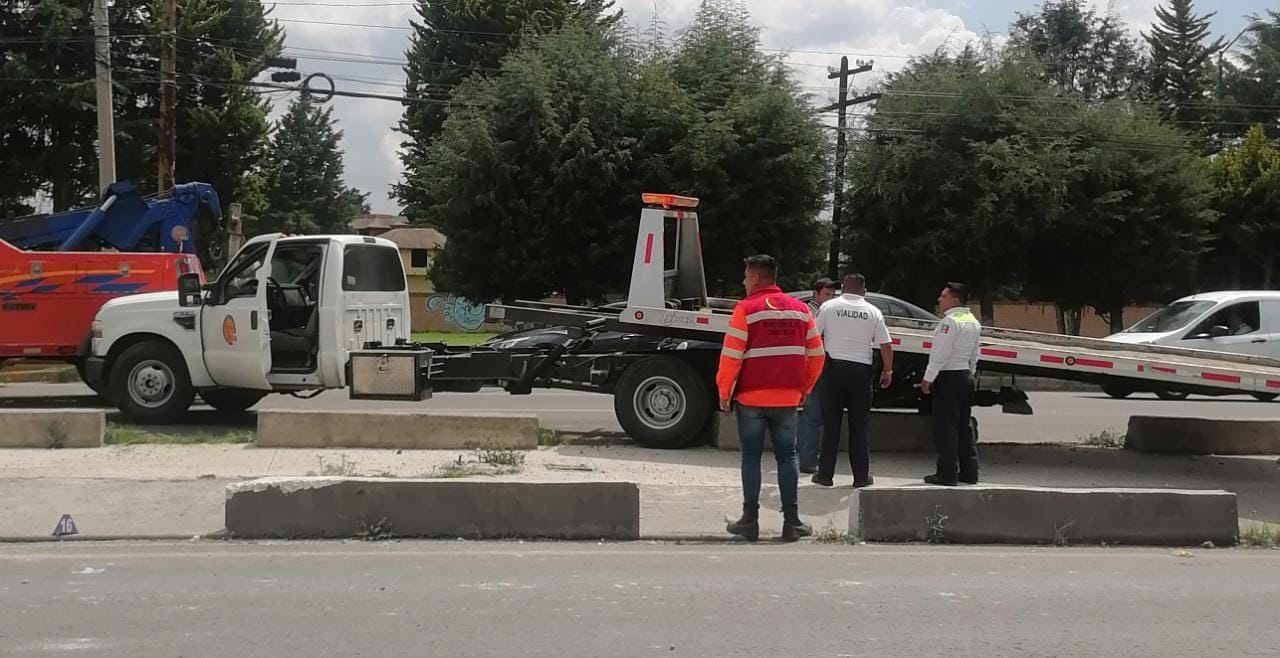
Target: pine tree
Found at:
305, 191
454, 40
1181, 69
1082, 53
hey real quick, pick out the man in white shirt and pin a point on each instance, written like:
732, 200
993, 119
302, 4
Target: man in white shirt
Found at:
850, 328
953, 360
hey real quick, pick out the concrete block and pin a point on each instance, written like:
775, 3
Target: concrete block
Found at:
1202, 436
890, 432
319, 508
1032, 515
408, 430
61, 428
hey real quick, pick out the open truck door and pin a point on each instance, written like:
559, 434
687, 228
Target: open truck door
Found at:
235, 323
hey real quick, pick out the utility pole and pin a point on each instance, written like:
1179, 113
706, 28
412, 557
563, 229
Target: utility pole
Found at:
168, 94
841, 105
106, 122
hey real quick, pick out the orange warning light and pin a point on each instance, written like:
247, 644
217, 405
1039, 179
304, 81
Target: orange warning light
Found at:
669, 200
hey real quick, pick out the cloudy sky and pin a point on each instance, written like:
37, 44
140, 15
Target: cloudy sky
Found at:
323, 37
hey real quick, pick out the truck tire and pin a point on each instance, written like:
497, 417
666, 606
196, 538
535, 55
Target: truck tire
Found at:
151, 382
662, 402
1117, 391
1172, 396
1265, 397
232, 400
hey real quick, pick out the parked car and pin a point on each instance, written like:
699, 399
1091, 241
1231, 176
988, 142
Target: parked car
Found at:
1235, 321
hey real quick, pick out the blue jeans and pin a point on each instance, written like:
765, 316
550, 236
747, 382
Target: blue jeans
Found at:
810, 434
780, 422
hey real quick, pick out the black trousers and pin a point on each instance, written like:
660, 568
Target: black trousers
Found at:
846, 385
952, 432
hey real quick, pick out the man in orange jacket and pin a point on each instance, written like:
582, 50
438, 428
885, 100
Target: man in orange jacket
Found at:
772, 358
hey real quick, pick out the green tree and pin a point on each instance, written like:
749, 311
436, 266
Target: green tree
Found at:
758, 156
1247, 181
1181, 72
1082, 53
1133, 222
532, 171
305, 191
454, 40
951, 179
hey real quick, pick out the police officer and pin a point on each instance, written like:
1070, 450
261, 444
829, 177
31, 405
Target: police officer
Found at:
850, 327
809, 442
953, 360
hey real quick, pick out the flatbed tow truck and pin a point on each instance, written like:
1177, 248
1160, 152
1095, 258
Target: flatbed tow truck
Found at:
665, 397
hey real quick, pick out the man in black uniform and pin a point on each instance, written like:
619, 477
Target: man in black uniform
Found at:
850, 328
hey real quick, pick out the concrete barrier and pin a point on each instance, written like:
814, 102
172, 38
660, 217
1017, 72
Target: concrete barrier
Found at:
1029, 515
321, 508
1202, 436
409, 430
890, 432
62, 428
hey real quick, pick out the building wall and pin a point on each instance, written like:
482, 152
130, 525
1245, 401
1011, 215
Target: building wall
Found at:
1041, 317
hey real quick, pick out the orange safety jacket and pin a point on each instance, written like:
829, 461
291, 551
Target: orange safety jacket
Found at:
772, 354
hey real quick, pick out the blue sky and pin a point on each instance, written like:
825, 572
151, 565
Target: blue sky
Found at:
815, 32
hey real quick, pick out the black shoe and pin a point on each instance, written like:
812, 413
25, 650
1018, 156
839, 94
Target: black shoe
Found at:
808, 469
969, 479
794, 530
748, 529
826, 482
858, 484
937, 480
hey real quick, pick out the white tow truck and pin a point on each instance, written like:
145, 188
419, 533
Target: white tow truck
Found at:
664, 395
281, 317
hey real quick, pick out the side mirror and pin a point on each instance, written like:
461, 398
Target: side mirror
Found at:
190, 292
1218, 331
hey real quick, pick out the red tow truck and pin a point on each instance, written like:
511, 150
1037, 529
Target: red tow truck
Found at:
57, 270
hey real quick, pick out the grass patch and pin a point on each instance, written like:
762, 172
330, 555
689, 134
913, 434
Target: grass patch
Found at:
487, 461
1260, 535
500, 457
129, 435
549, 437
344, 467
1105, 439
830, 534
465, 339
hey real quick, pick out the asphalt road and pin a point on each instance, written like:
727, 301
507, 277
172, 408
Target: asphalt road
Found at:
1059, 417
467, 599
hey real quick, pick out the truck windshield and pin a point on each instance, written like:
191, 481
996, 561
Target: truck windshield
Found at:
371, 268
1170, 318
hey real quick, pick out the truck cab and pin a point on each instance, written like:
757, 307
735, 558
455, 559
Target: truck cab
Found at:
280, 317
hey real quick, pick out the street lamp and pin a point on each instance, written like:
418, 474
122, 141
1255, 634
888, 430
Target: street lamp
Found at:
1253, 25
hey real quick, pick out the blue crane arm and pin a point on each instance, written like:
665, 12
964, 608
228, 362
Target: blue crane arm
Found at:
125, 220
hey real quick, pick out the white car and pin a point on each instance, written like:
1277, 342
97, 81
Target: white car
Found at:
1234, 321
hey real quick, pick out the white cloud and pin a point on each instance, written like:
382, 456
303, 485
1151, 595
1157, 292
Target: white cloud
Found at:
816, 32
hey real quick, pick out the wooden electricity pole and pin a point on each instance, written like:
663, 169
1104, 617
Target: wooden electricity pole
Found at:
841, 105
168, 94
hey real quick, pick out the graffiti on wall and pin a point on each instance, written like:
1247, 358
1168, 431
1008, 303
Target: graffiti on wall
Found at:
458, 312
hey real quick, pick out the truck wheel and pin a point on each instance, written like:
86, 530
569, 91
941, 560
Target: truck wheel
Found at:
1266, 397
232, 400
1172, 395
152, 383
1117, 391
662, 402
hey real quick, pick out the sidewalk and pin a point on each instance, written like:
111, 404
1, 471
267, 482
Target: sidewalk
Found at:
177, 491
